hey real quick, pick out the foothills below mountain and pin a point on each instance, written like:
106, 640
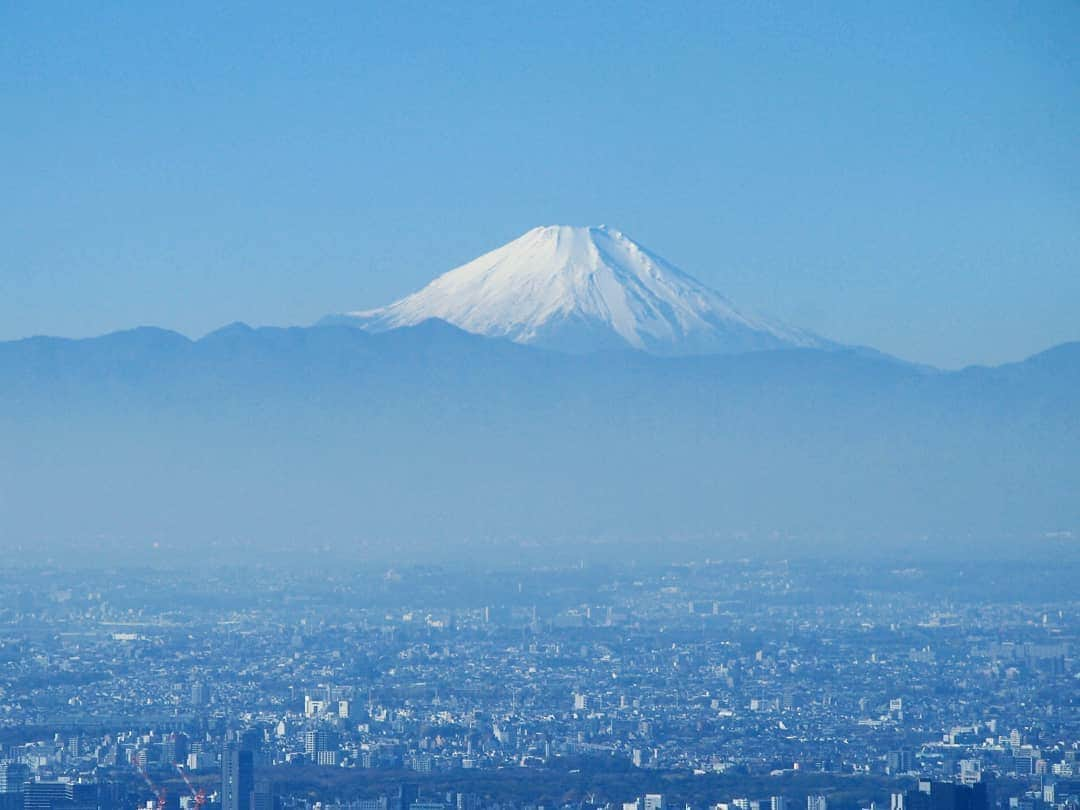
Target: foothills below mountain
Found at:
430, 440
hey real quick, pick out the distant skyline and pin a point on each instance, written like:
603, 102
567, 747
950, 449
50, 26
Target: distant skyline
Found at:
899, 176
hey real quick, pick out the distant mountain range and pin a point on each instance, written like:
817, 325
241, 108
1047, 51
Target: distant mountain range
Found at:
431, 440
583, 290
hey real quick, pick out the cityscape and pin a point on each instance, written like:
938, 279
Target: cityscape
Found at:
710, 684
540, 405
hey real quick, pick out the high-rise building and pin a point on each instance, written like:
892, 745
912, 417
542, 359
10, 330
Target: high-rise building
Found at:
898, 761
328, 757
63, 792
504, 734
262, 798
423, 762
317, 740
251, 739
1024, 765
970, 771
237, 778
82, 796
200, 694
13, 777
944, 796
174, 748
816, 802
42, 795
406, 796
653, 801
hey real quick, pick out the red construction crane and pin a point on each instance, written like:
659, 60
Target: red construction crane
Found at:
159, 792
199, 795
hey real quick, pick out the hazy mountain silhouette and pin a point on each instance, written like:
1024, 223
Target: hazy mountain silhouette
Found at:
432, 438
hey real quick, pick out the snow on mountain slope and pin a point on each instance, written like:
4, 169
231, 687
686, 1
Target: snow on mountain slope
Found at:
581, 290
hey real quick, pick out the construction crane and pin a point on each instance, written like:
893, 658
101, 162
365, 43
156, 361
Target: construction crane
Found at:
198, 795
159, 792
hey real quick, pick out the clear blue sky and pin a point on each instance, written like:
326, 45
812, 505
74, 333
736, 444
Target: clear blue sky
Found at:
903, 175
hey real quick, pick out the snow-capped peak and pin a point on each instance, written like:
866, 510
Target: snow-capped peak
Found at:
583, 289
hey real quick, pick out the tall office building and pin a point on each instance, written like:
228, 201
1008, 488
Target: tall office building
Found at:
970, 771
900, 761
816, 802
174, 748
237, 778
42, 795
200, 694
13, 777
314, 742
251, 739
318, 741
263, 796
84, 796
406, 796
945, 796
51, 794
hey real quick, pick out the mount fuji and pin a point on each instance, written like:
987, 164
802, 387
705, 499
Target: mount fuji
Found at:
428, 440
580, 290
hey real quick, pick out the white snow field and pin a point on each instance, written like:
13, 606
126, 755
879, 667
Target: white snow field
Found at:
584, 289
